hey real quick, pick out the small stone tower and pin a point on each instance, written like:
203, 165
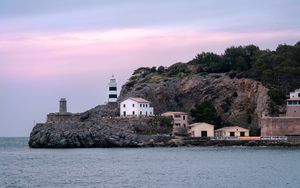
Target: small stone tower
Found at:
62, 106
112, 90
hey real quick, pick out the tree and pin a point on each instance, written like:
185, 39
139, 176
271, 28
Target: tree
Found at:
177, 68
276, 96
153, 69
161, 69
210, 62
205, 112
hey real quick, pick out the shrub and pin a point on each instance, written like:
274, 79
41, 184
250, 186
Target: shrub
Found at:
177, 68
161, 69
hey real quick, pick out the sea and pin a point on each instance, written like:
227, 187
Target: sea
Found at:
218, 167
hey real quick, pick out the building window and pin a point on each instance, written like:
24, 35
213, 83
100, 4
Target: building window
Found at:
124, 105
298, 94
184, 125
140, 105
232, 134
177, 116
124, 113
112, 96
143, 105
132, 105
290, 102
146, 105
177, 124
140, 112
133, 112
295, 102
112, 88
183, 117
242, 134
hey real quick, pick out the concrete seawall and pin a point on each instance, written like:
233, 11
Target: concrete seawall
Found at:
280, 126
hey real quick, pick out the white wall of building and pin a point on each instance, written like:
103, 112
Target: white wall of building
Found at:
133, 108
295, 94
196, 129
225, 131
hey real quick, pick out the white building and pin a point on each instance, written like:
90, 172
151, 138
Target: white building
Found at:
233, 131
293, 104
112, 90
201, 130
135, 107
295, 94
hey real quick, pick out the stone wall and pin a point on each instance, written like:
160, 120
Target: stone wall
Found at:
280, 126
62, 117
293, 111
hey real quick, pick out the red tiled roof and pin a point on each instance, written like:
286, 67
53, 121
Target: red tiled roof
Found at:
139, 100
175, 113
294, 99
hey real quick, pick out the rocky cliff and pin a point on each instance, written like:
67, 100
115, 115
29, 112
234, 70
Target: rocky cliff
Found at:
237, 101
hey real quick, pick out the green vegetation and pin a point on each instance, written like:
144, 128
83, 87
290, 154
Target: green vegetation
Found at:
205, 112
178, 69
277, 98
166, 122
278, 70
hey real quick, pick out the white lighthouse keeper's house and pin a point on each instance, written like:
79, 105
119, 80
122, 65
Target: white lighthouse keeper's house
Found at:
135, 107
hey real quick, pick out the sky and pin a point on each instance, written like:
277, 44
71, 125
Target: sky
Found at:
70, 48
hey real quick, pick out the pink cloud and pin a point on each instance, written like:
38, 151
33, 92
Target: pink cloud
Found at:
45, 55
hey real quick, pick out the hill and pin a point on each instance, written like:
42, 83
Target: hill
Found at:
241, 84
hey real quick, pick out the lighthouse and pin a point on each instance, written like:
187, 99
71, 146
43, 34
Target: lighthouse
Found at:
112, 90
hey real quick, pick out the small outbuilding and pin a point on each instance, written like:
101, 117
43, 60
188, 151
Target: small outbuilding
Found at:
233, 131
201, 130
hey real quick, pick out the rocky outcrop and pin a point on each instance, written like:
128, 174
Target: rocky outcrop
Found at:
237, 101
104, 132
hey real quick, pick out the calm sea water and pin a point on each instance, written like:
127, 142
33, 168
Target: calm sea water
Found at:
147, 167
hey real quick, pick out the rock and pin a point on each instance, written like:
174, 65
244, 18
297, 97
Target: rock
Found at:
104, 132
237, 101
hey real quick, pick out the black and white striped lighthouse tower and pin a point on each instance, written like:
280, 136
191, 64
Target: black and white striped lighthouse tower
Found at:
112, 90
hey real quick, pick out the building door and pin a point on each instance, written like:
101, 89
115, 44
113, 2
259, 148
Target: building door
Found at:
232, 134
203, 133
124, 113
242, 134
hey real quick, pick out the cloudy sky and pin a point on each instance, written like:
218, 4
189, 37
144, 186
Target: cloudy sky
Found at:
70, 48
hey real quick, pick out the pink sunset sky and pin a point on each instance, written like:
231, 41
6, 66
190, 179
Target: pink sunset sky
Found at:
52, 49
